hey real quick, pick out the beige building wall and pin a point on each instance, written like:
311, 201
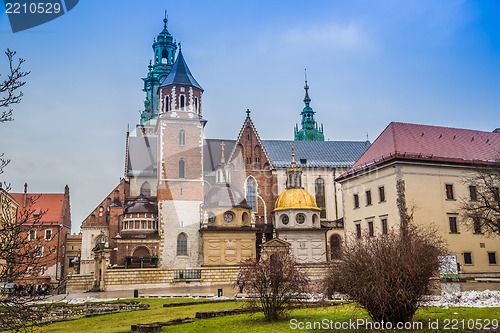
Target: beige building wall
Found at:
425, 193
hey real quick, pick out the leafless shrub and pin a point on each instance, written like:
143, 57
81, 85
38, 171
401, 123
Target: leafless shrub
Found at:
276, 282
388, 274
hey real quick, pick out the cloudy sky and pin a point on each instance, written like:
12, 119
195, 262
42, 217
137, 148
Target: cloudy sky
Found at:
368, 63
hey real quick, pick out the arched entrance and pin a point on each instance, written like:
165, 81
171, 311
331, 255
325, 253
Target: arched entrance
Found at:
335, 246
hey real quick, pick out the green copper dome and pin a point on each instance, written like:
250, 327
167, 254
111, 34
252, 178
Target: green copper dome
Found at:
310, 130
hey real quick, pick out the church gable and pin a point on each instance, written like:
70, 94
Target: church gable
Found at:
249, 152
116, 198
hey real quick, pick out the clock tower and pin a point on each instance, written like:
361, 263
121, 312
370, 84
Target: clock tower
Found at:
164, 48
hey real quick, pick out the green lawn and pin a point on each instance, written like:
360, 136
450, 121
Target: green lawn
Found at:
121, 322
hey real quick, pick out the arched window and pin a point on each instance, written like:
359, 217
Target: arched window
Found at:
182, 167
335, 246
182, 138
141, 251
164, 57
146, 189
101, 239
182, 245
196, 105
167, 103
251, 193
182, 102
320, 196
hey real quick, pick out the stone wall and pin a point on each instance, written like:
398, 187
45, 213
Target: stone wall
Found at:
147, 278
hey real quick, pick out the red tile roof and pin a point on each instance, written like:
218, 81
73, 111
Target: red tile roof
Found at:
431, 143
52, 203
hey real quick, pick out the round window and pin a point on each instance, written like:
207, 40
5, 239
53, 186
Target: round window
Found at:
228, 216
211, 217
284, 219
300, 218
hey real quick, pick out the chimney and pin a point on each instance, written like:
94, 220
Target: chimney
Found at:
25, 196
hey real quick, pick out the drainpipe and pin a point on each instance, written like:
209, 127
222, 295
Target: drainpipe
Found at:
335, 195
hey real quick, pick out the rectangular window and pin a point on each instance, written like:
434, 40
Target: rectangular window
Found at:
72, 261
358, 230
368, 197
371, 231
449, 192
492, 258
453, 224
385, 227
32, 234
473, 193
356, 201
477, 224
38, 251
381, 193
468, 258
48, 234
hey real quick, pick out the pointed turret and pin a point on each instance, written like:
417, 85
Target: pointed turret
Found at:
180, 91
310, 130
180, 74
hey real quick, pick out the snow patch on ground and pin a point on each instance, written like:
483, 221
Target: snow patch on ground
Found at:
473, 299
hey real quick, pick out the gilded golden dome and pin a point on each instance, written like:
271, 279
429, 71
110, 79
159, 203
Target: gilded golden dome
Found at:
295, 198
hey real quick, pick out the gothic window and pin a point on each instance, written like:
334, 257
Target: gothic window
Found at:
182, 244
182, 138
182, 166
145, 189
182, 102
320, 196
251, 193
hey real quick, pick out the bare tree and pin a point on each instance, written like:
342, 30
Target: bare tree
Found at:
277, 282
481, 209
10, 93
20, 260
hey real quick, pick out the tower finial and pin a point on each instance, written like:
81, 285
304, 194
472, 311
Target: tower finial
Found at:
305, 75
248, 113
165, 20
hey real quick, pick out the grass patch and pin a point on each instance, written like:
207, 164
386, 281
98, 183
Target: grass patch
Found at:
121, 322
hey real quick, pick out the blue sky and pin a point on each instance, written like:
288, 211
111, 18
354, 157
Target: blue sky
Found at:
368, 63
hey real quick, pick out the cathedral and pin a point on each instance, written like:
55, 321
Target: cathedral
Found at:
188, 205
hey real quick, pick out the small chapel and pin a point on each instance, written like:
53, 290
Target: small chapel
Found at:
189, 209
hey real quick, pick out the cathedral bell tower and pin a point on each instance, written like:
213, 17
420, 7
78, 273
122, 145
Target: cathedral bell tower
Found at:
164, 48
310, 130
180, 170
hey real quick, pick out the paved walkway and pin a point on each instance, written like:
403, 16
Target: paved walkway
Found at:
190, 291
207, 291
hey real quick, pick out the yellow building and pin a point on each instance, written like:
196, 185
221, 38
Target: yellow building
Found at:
430, 166
72, 254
